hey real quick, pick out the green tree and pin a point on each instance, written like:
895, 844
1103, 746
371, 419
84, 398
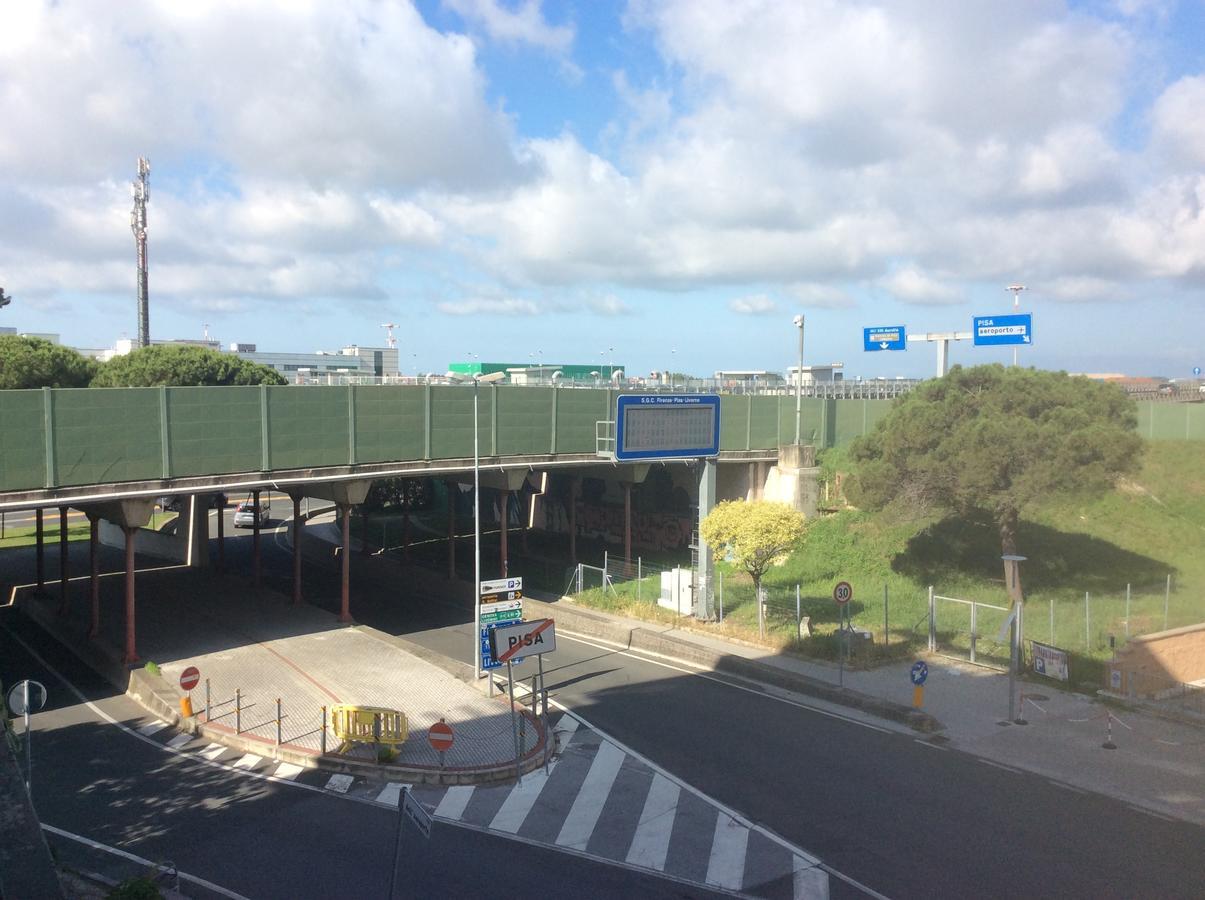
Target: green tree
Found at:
30, 362
995, 440
754, 534
182, 365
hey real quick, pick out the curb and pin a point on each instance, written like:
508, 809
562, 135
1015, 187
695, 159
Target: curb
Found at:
595, 624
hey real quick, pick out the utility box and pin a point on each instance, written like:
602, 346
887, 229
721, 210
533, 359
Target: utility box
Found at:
677, 593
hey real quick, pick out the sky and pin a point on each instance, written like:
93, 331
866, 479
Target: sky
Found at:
662, 183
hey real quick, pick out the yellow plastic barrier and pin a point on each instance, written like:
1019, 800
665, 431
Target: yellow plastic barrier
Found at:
368, 725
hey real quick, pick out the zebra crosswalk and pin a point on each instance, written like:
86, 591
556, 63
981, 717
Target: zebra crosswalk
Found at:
595, 797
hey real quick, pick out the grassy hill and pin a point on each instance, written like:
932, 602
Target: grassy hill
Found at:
1148, 528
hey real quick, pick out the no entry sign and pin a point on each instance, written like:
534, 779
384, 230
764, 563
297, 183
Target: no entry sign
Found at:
440, 736
190, 678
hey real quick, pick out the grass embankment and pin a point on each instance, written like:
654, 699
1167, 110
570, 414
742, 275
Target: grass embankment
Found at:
77, 530
1150, 527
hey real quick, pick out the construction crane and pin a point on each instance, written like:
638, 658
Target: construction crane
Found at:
390, 340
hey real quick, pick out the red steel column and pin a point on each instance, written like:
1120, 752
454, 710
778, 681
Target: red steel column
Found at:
345, 602
451, 530
255, 542
627, 521
64, 561
94, 572
296, 550
504, 502
41, 551
131, 654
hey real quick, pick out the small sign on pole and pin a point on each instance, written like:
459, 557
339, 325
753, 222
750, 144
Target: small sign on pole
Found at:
416, 813
843, 592
190, 678
440, 737
532, 638
26, 697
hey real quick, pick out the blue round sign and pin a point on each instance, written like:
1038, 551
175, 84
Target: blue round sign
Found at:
919, 672
1196, 370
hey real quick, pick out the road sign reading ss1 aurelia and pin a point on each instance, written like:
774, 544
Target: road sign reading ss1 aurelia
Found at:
995, 331
884, 337
667, 426
529, 638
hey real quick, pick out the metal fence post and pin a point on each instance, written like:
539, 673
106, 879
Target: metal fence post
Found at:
1087, 621
974, 636
932, 621
639, 578
238, 711
1052, 620
206, 699
323, 744
1127, 631
721, 596
1166, 594
277, 721
886, 623
798, 620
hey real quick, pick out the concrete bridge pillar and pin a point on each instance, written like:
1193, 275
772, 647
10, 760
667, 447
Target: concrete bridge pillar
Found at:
130, 516
575, 490
704, 605
795, 481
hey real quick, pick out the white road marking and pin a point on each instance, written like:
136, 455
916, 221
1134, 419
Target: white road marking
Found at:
726, 867
650, 843
520, 800
247, 761
339, 783
453, 804
996, 765
152, 728
213, 751
567, 725
930, 744
179, 741
588, 804
1066, 787
391, 793
811, 882
288, 771
1150, 812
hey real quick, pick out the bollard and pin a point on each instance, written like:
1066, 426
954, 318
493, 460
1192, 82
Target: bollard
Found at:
324, 731
277, 721
206, 699
1108, 744
186, 707
534, 695
238, 711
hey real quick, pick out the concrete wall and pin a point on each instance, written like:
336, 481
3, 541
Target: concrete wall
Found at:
1155, 662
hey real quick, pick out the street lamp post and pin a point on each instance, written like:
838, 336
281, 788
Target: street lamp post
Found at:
1016, 292
477, 379
799, 380
1014, 589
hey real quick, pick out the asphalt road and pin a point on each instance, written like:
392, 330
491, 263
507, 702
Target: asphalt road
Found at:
258, 838
903, 816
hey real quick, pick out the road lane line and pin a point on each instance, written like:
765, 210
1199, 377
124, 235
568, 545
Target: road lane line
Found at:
650, 843
726, 866
213, 751
152, 728
931, 745
1066, 787
996, 765
125, 854
247, 761
179, 741
453, 804
288, 771
809, 882
391, 793
587, 805
569, 723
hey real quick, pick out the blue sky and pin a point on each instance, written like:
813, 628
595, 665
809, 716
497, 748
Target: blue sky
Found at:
674, 180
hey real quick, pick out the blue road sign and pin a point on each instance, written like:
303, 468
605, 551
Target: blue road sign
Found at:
1196, 371
884, 337
487, 657
994, 331
919, 672
667, 426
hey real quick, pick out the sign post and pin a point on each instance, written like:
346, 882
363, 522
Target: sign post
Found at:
499, 601
408, 809
533, 638
842, 593
189, 679
26, 697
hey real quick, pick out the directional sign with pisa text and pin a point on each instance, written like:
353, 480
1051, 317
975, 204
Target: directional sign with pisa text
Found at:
995, 331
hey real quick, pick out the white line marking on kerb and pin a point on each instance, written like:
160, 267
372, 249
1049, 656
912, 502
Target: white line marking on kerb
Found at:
453, 804
650, 843
726, 867
996, 765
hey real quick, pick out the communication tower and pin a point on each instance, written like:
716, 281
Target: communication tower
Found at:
390, 340
138, 226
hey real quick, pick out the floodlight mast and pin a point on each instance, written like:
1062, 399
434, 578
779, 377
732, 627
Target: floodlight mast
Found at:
138, 226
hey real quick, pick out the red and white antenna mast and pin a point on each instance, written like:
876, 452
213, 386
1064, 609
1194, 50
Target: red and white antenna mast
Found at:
390, 340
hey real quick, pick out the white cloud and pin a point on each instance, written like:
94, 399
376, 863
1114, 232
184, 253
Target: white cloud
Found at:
609, 305
753, 305
489, 306
522, 25
914, 286
1179, 122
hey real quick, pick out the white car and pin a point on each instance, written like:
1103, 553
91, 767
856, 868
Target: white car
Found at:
245, 515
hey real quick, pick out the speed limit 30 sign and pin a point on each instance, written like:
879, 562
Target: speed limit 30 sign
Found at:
843, 592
